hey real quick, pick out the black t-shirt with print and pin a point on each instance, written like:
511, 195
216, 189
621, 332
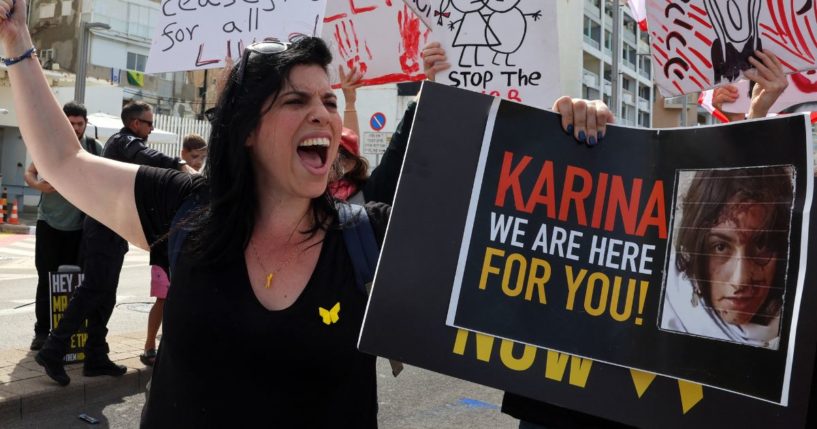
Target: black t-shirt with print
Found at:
226, 361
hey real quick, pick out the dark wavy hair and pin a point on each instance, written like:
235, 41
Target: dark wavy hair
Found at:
705, 202
224, 227
359, 174
72, 108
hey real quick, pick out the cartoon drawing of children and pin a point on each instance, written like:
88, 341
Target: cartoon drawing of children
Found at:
511, 24
472, 28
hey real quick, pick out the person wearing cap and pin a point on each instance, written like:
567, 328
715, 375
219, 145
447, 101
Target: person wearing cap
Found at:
352, 169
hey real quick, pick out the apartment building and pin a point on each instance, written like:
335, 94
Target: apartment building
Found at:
595, 48
117, 55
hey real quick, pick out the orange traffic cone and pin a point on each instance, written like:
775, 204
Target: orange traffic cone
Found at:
13, 220
2, 213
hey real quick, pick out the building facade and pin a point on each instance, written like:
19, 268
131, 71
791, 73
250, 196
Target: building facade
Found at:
118, 55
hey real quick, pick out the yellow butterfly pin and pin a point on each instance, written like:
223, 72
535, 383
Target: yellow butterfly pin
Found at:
330, 316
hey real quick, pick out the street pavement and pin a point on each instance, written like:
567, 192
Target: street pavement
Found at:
416, 399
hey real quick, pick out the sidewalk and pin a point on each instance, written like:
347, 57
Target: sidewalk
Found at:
27, 223
25, 389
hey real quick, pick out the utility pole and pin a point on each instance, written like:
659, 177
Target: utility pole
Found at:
203, 95
615, 99
82, 57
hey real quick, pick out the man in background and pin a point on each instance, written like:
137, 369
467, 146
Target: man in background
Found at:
59, 226
103, 253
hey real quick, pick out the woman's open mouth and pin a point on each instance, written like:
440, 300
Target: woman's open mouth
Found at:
313, 153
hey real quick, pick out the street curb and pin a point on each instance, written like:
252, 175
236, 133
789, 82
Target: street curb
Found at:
24, 398
17, 229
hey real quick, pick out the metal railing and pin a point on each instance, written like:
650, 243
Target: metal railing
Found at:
181, 127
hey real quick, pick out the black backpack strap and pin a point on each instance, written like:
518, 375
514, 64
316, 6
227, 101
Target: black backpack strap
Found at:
360, 242
362, 247
178, 231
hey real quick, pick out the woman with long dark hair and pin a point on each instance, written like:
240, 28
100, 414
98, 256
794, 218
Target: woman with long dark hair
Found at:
262, 320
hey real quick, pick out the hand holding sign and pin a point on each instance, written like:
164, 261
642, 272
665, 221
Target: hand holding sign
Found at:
434, 60
770, 81
586, 120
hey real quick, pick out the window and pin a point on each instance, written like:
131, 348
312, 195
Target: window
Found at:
592, 32
645, 37
644, 119
629, 54
590, 93
645, 65
136, 61
644, 92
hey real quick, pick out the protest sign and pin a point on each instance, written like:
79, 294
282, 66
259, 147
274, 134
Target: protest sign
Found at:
197, 35
381, 38
698, 44
800, 94
497, 47
61, 287
420, 259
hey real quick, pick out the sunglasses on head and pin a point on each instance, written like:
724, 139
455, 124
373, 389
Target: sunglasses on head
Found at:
258, 50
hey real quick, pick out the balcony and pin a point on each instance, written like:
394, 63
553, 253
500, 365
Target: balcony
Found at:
645, 72
625, 121
590, 79
590, 41
591, 9
628, 97
643, 104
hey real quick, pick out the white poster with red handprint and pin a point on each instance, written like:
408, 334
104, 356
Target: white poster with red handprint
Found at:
380, 38
506, 48
198, 35
699, 44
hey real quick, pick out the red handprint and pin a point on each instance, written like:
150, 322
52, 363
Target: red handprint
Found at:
409, 25
349, 46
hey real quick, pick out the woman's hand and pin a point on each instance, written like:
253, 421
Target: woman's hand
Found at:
586, 120
13, 31
770, 81
724, 94
349, 83
434, 60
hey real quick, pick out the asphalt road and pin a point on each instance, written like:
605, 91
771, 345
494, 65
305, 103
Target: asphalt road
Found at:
417, 399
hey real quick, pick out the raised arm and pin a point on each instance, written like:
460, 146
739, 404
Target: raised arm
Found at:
349, 83
770, 82
54, 147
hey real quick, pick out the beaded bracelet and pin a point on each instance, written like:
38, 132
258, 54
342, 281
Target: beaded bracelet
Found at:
14, 60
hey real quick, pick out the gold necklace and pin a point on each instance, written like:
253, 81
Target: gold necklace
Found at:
290, 256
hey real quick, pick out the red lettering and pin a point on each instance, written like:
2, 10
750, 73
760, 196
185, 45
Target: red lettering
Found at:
654, 204
598, 207
509, 178
545, 179
578, 197
618, 200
